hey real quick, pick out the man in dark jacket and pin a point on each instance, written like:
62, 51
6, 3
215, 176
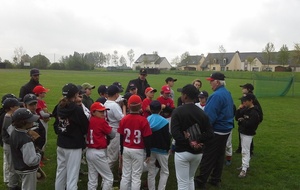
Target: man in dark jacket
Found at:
141, 83
34, 81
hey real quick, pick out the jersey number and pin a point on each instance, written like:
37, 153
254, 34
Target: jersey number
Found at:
137, 136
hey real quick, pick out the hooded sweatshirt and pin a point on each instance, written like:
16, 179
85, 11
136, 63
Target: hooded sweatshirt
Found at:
71, 126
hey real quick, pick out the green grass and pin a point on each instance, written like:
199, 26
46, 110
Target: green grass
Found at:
275, 165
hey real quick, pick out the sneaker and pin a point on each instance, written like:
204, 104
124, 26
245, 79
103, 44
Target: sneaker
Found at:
228, 162
242, 174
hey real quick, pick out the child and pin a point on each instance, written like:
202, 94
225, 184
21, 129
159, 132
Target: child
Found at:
70, 125
9, 106
42, 110
160, 146
135, 134
102, 91
248, 119
203, 95
170, 83
96, 156
167, 103
25, 157
149, 92
114, 117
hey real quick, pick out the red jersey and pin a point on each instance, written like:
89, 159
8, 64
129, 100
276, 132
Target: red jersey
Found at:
41, 104
97, 131
134, 127
169, 103
145, 104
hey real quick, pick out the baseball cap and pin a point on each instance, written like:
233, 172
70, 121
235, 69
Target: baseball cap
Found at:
34, 72
134, 100
29, 99
190, 90
8, 96
248, 96
87, 86
101, 100
170, 79
165, 89
98, 106
203, 94
149, 89
113, 89
118, 84
155, 105
11, 102
24, 114
127, 95
40, 89
69, 90
81, 89
216, 76
248, 86
143, 72
132, 86
102, 89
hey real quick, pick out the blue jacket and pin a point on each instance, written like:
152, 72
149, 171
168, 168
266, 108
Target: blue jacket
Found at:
219, 108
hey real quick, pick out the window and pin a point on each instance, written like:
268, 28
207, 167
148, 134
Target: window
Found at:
214, 68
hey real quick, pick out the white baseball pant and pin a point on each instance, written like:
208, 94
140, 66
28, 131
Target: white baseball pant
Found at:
245, 143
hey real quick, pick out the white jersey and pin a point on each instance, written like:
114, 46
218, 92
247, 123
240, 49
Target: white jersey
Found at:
200, 106
114, 115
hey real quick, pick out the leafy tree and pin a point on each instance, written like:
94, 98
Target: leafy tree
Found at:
268, 52
108, 58
130, 55
185, 57
123, 61
18, 53
115, 58
296, 55
175, 61
57, 66
283, 55
102, 59
40, 61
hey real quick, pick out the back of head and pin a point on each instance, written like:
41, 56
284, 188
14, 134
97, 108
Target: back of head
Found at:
134, 103
69, 90
155, 106
112, 90
191, 91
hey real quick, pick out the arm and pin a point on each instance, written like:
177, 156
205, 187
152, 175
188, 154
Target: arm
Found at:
30, 156
147, 142
176, 132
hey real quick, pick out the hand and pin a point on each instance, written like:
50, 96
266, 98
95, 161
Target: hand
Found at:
34, 135
163, 106
196, 145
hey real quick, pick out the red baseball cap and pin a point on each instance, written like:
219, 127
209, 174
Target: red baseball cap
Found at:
149, 89
97, 106
134, 100
165, 89
39, 89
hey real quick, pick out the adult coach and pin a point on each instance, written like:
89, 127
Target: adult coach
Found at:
219, 108
34, 81
141, 83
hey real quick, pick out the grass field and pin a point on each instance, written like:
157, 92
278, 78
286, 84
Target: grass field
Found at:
276, 160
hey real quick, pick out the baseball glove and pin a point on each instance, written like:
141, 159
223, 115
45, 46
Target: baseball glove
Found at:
192, 134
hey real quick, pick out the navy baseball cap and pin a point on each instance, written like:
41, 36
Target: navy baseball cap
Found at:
11, 102
216, 76
29, 99
69, 90
203, 94
102, 89
170, 79
113, 89
248, 97
118, 84
34, 72
248, 86
24, 114
81, 89
132, 86
143, 72
9, 96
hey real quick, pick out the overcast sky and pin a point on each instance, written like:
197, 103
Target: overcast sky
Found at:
57, 28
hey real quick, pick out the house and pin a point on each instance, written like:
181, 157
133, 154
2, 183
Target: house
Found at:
192, 62
222, 62
152, 61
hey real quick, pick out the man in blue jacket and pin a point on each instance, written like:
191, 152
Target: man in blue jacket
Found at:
219, 108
